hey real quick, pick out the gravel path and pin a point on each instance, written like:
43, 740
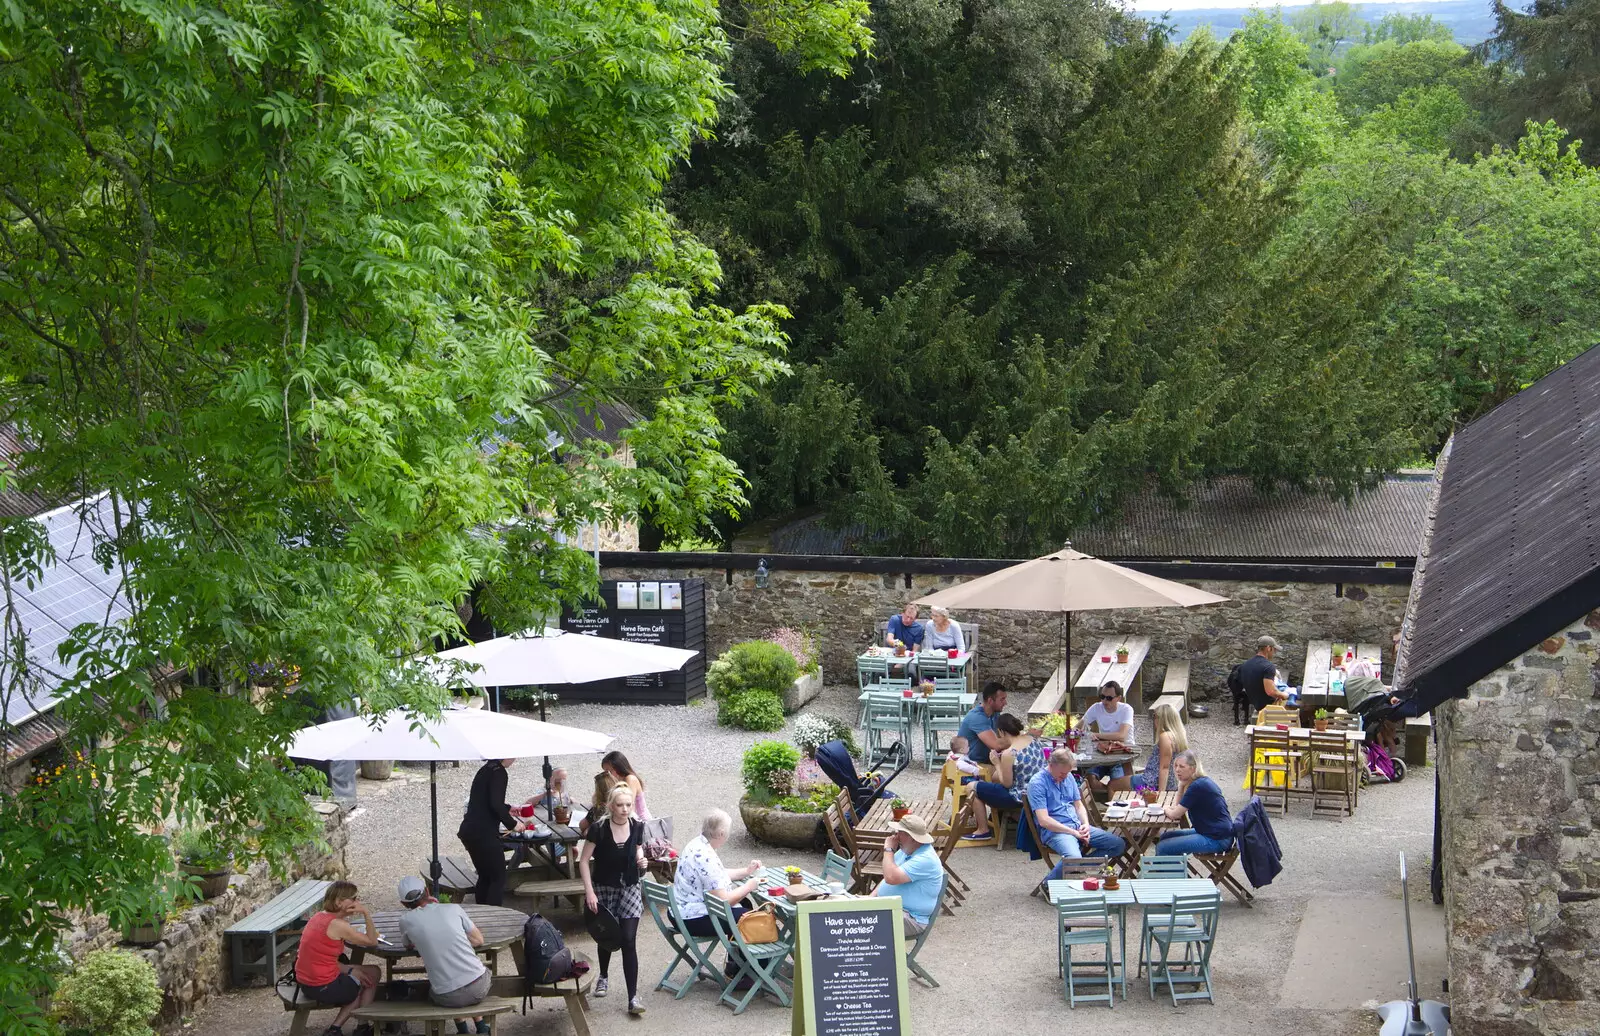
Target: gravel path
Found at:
994, 958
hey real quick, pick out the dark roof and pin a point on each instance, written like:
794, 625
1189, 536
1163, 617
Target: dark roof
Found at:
15, 502
1226, 518
1514, 552
1229, 518
72, 590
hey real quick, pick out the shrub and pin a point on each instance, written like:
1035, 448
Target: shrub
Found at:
754, 665
801, 645
752, 710
112, 993
768, 769
811, 731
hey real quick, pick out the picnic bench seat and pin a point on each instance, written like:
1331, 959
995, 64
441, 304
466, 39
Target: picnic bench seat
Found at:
1176, 682
1051, 696
432, 1017
257, 941
1419, 731
458, 878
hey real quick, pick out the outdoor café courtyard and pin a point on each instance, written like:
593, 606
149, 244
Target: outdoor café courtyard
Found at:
1320, 947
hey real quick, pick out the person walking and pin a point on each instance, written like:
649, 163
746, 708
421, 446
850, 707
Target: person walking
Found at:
487, 813
610, 864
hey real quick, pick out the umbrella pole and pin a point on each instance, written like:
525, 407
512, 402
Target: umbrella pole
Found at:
433, 801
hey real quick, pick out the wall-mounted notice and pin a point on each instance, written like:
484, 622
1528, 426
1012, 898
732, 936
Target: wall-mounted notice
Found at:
649, 597
672, 597
627, 595
850, 969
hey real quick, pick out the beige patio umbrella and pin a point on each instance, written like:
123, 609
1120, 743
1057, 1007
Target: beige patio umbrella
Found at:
1068, 582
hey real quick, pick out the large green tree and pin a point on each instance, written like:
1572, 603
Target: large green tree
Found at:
306, 287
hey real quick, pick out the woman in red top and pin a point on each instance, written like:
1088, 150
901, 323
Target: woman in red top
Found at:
316, 965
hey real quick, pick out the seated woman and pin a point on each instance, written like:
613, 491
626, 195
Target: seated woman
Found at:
1200, 801
316, 964
1171, 738
700, 871
942, 632
1014, 767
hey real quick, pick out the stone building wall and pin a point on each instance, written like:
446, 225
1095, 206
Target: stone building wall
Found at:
1519, 773
1023, 648
191, 961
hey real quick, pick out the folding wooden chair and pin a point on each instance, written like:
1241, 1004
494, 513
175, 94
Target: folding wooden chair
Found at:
693, 950
758, 962
1219, 867
922, 936
1191, 924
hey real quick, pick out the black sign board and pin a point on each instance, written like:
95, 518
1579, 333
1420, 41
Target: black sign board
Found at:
852, 975
682, 626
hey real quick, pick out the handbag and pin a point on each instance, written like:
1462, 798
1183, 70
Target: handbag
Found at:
759, 925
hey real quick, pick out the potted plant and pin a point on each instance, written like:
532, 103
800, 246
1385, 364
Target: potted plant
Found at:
203, 858
899, 807
1321, 719
1122, 654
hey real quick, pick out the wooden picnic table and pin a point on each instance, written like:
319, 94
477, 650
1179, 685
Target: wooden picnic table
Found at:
1140, 833
1320, 654
501, 927
1127, 674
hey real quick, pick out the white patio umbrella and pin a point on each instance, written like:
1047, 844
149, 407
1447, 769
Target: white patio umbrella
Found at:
556, 656
457, 735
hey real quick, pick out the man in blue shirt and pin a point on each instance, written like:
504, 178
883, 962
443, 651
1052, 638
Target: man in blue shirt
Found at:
905, 628
1063, 820
912, 871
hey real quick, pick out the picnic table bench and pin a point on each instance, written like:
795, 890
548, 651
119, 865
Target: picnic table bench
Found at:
1127, 674
255, 942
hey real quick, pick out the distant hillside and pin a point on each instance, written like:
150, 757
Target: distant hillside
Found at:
1472, 21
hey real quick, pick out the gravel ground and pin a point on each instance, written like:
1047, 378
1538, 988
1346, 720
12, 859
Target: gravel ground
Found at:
994, 957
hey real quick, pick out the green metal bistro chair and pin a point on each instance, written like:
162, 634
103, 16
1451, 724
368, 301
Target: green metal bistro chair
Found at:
838, 868
758, 962
941, 713
1085, 921
1175, 867
1197, 937
693, 950
922, 936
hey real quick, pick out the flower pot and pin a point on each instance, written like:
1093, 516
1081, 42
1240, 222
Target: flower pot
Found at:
213, 881
377, 769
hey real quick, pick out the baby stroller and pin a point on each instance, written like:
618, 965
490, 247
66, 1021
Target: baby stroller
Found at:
835, 761
1373, 712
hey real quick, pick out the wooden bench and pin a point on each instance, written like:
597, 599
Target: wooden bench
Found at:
1176, 682
256, 942
551, 888
458, 879
432, 1017
1419, 731
1051, 697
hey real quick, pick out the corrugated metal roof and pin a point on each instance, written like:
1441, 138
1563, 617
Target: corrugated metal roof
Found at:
73, 590
1223, 519
1514, 554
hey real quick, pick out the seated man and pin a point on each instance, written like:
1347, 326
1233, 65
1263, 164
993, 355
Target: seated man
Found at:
912, 871
444, 937
905, 628
1109, 721
1063, 820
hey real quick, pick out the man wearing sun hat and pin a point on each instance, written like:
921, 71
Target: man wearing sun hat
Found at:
912, 871
446, 940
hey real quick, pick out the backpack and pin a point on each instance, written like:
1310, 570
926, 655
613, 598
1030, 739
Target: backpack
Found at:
545, 957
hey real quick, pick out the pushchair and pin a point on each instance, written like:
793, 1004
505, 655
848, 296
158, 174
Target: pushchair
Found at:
1374, 711
835, 761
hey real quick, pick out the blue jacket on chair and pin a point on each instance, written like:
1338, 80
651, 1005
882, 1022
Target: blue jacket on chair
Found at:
1258, 846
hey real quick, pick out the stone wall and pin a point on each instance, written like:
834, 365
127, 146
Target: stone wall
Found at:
1023, 648
1519, 771
191, 961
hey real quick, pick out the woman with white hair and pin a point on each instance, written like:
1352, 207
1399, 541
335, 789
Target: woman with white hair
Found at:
944, 632
700, 871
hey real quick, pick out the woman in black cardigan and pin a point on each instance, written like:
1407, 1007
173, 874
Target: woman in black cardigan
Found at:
487, 812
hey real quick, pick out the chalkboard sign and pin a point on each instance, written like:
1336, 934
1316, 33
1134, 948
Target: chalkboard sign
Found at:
850, 969
682, 625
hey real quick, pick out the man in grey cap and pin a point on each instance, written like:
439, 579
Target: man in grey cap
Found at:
1259, 676
445, 937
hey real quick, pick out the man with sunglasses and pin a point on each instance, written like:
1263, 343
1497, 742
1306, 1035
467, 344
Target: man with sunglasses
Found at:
1110, 722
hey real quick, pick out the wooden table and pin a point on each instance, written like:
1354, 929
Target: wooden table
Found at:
1320, 654
501, 927
1142, 833
1126, 674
